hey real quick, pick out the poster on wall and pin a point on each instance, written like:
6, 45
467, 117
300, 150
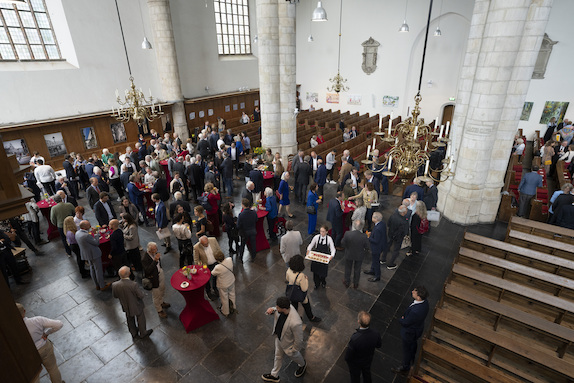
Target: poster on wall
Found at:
143, 127
166, 122
526, 110
210, 112
553, 109
227, 108
19, 149
192, 116
332, 98
242, 105
312, 97
354, 99
234, 106
55, 144
256, 103
201, 114
119, 132
391, 101
89, 137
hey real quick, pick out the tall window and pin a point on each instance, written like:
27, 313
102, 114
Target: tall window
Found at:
26, 32
232, 27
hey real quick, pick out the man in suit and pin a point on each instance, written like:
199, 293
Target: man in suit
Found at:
195, 176
346, 168
290, 243
415, 187
131, 298
378, 242
321, 176
57, 215
314, 162
355, 178
361, 349
136, 196
335, 217
154, 272
161, 220
527, 188
356, 245
256, 177
101, 181
369, 177
302, 180
90, 252
412, 326
247, 192
160, 187
246, 224
431, 196
180, 167
67, 198
398, 227
203, 147
347, 156
288, 332
226, 169
295, 163
104, 210
179, 202
72, 176
125, 175
204, 253
89, 167
93, 192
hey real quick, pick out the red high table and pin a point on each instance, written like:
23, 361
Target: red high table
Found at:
46, 207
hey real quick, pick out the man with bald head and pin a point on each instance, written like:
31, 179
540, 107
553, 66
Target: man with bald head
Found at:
90, 251
118, 251
154, 272
204, 252
131, 298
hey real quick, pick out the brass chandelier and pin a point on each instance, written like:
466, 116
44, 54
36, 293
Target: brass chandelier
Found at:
134, 105
412, 141
338, 82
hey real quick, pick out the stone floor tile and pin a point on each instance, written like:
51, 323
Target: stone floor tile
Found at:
57, 288
80, 367
112, 344
78, 339
121, 369
225, 358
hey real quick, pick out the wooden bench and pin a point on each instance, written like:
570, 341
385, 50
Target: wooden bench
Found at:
545, 230
562, 333
522, 274
550, 246
519, 254
559, 305
497, 340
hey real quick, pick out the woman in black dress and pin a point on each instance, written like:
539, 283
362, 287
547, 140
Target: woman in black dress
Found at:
416, 236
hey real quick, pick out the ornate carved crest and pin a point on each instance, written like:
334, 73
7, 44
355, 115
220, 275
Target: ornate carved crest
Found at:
370, 48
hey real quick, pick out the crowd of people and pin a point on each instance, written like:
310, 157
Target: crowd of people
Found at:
191, 208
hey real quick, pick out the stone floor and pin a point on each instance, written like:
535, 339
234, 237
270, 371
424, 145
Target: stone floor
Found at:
95, 346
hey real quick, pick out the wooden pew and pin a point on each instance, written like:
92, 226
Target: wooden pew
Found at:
545, 245
545, 230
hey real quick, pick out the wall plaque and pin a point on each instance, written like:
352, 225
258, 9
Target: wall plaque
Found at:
370, 48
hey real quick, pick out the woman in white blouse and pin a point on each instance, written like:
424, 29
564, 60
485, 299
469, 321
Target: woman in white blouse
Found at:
321, 243
182, 232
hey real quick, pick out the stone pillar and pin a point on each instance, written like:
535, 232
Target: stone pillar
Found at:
277, 86
503, 45
164, 47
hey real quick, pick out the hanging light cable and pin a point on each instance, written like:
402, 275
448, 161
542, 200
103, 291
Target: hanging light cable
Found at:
438, 32
310, 38
405, 26
338, 81
145, 43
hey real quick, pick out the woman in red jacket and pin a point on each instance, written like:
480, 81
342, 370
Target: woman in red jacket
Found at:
213, 197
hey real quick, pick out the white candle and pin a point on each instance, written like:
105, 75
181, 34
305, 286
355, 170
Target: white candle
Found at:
391, 116
390, 166
368, 151
441, 130
117, 94
416, 131
374, 142
427, 167
451, 159
426, 146
390, 125
113, 110
396, 140
160, 107
435, 124
447, 128
149, 91
380, 122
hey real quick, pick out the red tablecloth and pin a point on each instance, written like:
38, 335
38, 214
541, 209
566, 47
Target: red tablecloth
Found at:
197, 311
149, 202
105, 246
163, 164
346, 211
261, 240
268, 179
45, 207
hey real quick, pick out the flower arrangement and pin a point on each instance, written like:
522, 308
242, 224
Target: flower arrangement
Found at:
187, 271
258, 150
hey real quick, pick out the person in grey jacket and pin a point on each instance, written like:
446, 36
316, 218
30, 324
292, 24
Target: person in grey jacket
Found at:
131, 298
90, 251
356, 245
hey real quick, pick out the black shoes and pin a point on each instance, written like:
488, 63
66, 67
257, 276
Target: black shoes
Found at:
167, 250
369, 272
391, 267
270, 378
400, 370
147, 334
315, 319
301, 370
374, 279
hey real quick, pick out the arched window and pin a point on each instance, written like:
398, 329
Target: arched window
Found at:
232, 27
26, 32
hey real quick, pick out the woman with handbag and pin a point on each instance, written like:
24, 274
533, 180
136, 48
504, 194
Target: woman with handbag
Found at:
182, 232
297, 286
225, 282
313, 202
321, 243
419, 226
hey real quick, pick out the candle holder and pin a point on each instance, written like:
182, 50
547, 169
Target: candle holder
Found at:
367, 162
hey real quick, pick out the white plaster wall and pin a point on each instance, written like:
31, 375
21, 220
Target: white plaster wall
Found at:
558, 84
399, 55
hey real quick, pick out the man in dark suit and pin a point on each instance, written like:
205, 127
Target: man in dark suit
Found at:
90, 252
226, 169
356, 245
154, 272
295, 163
369, 177
314, 162
247, 192
136, 196
412, 326
104, 210
361, 349
203, 147
415, 187
67, 198
335, 217
246, 224
179, 202
195, 176
160, 187
398, 227
378, 241
93, 192
431, 196
118, 253
257, 178
72, 176
302, 179
321, 176
180, 167
161, 220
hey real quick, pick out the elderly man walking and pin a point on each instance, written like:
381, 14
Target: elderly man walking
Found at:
154, 272
378, 241
131, 298
290, 243
356, 245
90, 251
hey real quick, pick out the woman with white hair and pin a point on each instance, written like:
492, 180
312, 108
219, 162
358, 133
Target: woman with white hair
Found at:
519, 147
106, 155
284, 194
419, 226
271, 207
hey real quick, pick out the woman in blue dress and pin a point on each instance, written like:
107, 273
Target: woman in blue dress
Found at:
284, 194
312, 200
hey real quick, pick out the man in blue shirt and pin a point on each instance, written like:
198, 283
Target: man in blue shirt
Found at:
527, 188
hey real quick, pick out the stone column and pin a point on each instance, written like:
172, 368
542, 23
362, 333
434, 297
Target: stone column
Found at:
164, 47
503, 45
277, 83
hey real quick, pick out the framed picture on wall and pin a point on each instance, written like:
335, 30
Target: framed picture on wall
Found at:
553, 109
19, 149
192, 116
354, 99
242, 105
391, 101
89, 138
55, 144
201, 114
312, 97
227, 108
332, 98
234, 106
526, 110
210, 112
256, 103
166, 122
119, 132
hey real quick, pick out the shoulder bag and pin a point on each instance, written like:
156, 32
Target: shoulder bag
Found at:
294, 292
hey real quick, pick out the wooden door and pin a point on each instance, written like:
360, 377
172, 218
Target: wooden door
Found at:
447, 113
